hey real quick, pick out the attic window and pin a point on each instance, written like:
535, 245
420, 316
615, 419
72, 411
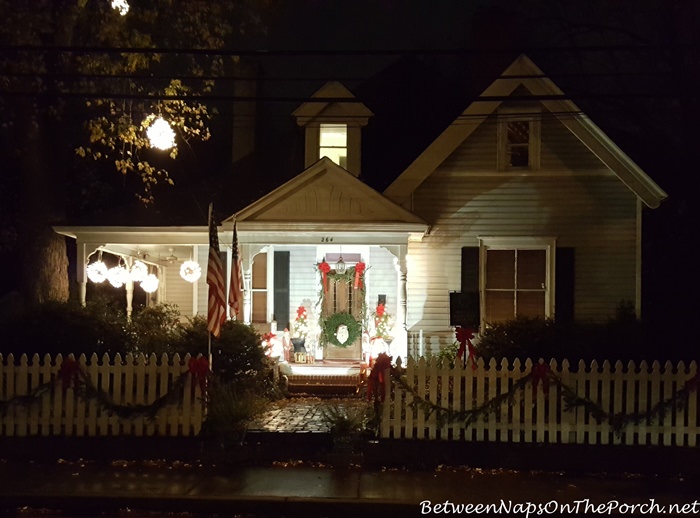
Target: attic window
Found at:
519, 143
333, 143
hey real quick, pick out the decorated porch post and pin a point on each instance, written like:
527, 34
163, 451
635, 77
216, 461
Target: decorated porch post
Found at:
400, 343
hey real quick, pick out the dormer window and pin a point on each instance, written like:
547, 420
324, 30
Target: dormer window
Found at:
333, 143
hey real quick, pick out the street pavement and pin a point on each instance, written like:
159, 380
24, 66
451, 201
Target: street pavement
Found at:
287, 467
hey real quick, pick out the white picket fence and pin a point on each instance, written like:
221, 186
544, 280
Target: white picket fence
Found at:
37, 398
632, 404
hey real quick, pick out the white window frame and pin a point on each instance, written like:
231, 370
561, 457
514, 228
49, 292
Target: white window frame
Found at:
534, 142
321, 147
549, 244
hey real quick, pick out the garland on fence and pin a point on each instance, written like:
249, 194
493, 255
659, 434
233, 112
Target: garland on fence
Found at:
72, 375
541, 373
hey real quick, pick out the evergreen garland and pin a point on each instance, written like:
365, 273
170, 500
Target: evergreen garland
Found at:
571, 400
331, 324
72, 374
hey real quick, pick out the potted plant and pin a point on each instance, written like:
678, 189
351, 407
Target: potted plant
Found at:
300, 330
382, 324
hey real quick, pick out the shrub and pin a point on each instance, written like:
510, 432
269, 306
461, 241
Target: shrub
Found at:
58, 327
237, 356
156, 329
622, 338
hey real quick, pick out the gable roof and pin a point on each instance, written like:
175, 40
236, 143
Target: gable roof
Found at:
336, 93
524, 72
322, 195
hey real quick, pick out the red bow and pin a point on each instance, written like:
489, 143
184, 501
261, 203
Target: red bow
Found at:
375, 382
464, 337
301, 312
69, 373
540, 372
199, 370
359, 271
380, 310
325, 268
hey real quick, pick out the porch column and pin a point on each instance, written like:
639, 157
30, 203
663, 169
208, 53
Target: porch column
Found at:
399, 347
246, 266
84, 251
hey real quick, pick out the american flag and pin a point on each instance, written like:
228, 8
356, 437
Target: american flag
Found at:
216, 315
235, 293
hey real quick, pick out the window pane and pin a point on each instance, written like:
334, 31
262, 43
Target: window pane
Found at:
338, 155
531, 304
259, 306
518, 132
500, 269
500, 306
519, 143
259, 280
531, 269
333, 135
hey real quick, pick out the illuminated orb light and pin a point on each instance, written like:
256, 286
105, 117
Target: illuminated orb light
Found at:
118, 276
122, 6
97, 272
160, 134
190, 271
150, 283
138, 271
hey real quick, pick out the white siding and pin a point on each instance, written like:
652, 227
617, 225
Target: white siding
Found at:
304, 282
177, 290
573, 201
202, 288
381, 277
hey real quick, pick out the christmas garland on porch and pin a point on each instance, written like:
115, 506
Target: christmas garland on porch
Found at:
72, 375
541, 373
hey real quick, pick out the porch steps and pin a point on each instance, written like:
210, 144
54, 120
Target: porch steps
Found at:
323, 385
327, 379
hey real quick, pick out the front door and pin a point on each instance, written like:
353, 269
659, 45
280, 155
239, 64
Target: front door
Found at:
341, 297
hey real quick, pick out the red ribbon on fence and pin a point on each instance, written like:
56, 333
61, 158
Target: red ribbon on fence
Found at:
359, 271
324, 267
464, 337
199, 370
375, 382
540, 372
69, 373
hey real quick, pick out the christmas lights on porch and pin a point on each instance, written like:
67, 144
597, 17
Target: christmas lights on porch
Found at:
97, 271
190, 271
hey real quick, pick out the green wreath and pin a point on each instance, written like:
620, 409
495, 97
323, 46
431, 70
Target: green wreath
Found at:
331, 324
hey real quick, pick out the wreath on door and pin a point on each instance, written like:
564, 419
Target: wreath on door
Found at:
341, 329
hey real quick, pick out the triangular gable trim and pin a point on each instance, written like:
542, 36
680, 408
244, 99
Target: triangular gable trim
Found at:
334, 91
524, 71
400, 216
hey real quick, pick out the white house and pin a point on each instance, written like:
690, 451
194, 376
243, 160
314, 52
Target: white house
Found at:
521, 206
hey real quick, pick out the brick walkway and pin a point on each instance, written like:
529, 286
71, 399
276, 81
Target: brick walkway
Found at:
300, 415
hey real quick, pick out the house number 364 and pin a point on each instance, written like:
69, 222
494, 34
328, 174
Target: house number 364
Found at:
326, 239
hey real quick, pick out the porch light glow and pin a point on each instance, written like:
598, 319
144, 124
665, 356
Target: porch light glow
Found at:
150, 283
97, 271
118, 276
138, 271
122, 6
160, 134
190, 271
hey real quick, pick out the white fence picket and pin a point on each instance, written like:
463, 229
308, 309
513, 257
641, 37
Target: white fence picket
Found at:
624, 394
39, 398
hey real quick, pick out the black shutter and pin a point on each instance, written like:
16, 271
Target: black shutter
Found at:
464, 306
281, 290
565, 288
